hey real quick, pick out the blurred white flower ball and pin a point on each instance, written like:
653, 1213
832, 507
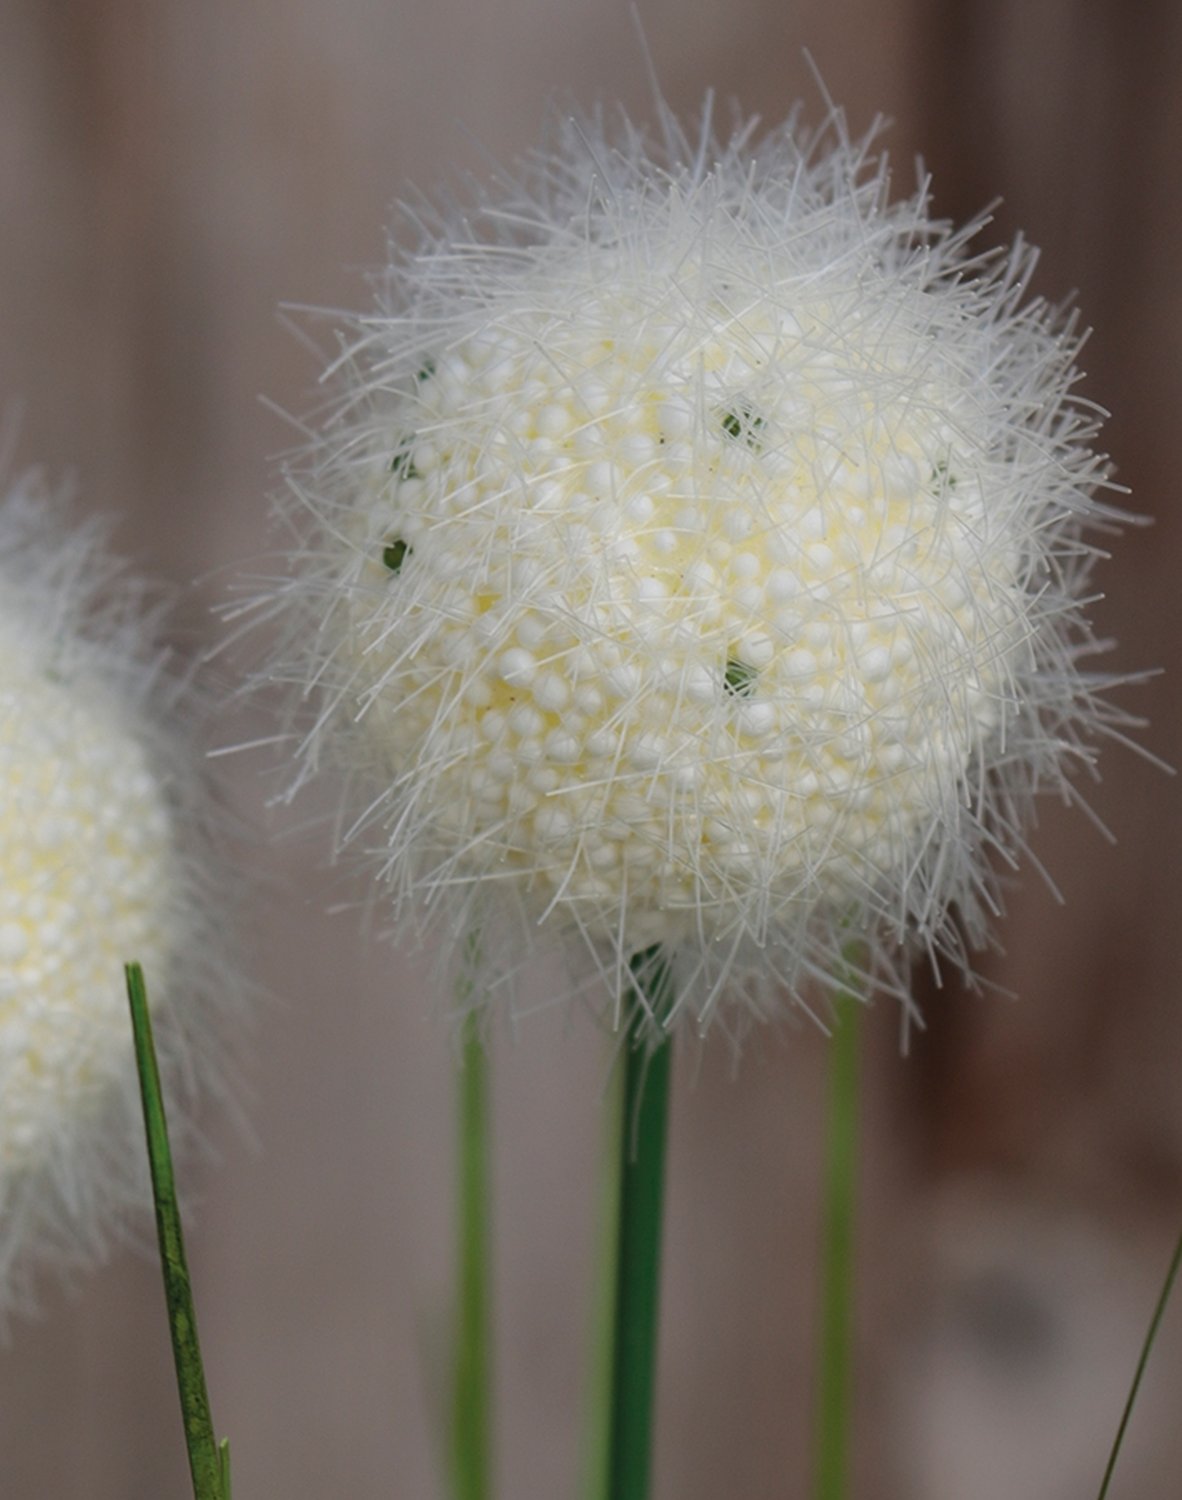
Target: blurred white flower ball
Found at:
101, 862
698, 561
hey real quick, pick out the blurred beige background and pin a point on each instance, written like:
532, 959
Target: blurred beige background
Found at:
169, 174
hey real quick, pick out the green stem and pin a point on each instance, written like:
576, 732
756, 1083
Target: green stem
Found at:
209, 1464
224, 1467
837, 1253
1151, 1335
638, 1243
599, 1406
471, 1466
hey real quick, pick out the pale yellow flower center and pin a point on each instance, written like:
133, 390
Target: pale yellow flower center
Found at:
85, 881
684, 604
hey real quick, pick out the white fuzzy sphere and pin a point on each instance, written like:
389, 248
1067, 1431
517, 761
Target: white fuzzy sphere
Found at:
700, 561
103, 860
86, 882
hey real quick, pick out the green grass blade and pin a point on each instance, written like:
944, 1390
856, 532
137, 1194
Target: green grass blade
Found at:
1147, 1346
638, 1254
835, 1359
206, 1464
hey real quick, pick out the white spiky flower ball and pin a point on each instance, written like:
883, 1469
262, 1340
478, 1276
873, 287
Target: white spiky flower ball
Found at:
699, 562
102, 840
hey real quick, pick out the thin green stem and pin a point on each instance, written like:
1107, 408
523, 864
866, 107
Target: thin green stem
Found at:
471, 1457
1150, 1337
638, 1244
209, 1464
835, 1361
599, 1405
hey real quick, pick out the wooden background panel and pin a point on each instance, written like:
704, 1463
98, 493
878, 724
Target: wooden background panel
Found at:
1055, 1124
170, 174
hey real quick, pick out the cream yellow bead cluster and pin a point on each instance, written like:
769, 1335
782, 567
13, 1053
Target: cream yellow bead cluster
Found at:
685, 616
86, 883
105, 852
701, 563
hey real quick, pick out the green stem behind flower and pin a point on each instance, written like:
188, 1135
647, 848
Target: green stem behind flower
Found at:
209, 1462
641, 1147
470, 1416
1151, 1335
835, 1362
597, 1434
224, 1467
